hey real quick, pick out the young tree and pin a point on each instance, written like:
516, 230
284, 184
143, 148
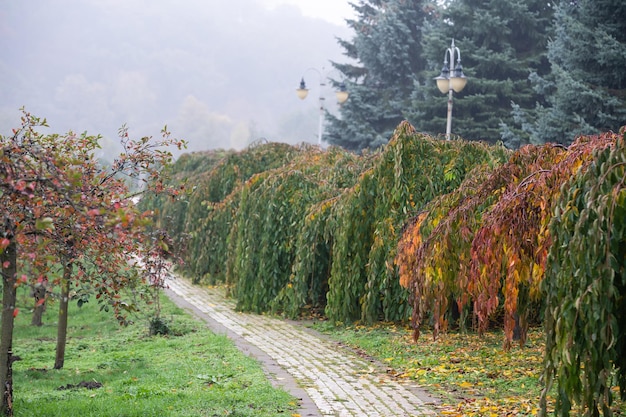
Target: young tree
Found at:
101, 239
39, 287
50, 187
39, 290
388, 54
501, 43
30, 176
586, 89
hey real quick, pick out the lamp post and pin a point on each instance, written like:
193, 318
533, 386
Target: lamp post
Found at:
449, 83
341, 94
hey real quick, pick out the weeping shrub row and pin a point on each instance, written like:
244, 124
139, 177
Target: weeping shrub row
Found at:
272, 208
434, 230
303, 240
306, 229
199, 215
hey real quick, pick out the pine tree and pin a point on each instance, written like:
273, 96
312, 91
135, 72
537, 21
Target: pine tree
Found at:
501, 43
387, 52
586, 89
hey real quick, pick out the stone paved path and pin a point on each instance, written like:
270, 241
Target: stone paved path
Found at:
331, 380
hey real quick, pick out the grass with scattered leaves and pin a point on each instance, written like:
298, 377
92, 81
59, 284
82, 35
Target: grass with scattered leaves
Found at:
472, 375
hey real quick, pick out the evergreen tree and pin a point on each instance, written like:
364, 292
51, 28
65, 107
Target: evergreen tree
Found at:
387, 54
501, 43
586, 89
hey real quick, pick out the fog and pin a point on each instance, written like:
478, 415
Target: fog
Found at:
218, 73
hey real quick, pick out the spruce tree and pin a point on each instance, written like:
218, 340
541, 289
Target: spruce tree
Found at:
586, 89
501, 43
387, 57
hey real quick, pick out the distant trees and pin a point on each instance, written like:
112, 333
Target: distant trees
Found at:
522, 87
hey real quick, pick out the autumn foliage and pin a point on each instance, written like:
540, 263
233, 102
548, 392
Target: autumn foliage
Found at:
484, 246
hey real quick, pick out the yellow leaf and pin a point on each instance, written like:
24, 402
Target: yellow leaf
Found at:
466, 384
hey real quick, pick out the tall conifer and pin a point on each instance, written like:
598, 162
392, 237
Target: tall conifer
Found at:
586, 89
386, 56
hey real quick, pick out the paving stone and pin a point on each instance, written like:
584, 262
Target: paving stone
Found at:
329, 379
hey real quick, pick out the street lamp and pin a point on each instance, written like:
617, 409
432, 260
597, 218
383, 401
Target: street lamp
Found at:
341, 94
447, 83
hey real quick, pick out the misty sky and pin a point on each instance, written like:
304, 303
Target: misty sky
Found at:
218, 73
334, 11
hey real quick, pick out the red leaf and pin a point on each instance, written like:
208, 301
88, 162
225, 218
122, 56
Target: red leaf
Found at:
15, 312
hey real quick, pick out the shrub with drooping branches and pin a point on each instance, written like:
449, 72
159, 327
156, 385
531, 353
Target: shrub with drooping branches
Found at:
272, 210
487, 242
201, 214
367, 220
308, 282
211, 207
182, 179
585, 287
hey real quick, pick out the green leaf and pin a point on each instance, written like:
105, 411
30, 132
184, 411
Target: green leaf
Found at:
45, 223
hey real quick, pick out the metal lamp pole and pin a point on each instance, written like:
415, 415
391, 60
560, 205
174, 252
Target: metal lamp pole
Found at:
341, 94
449, 83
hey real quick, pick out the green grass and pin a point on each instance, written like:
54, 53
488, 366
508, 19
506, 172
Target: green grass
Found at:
194, 374
472, 375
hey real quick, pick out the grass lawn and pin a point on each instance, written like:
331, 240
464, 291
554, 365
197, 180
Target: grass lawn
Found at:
195, 373
472, 375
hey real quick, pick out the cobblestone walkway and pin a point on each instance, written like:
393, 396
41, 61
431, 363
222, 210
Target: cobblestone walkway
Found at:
336, 381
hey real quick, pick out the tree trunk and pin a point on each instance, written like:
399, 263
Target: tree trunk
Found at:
39, 293
62, 326
8, 259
